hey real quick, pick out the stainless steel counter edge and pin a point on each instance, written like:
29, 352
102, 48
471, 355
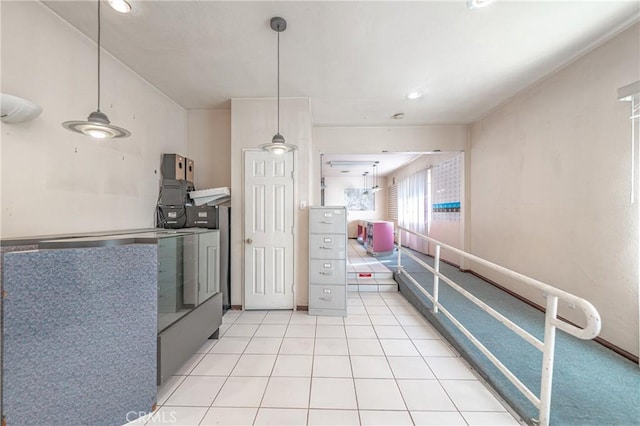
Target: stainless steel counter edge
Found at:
100, 239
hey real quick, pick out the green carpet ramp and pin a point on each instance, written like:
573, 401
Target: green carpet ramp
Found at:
592, 385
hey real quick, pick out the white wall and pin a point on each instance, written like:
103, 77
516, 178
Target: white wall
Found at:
55, 181
209, 145
550, 183
253, 122
334, 196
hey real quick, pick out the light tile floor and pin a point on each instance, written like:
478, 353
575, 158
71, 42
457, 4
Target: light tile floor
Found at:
367, 273
381, 365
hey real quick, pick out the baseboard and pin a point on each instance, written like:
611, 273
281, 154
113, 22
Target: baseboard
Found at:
455, 265
626, 354
299, 308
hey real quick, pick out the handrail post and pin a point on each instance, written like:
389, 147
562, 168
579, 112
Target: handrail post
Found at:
547, 359
436, 279
399, 249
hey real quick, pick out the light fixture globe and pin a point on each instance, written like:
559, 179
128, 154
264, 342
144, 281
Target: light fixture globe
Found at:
477, 4
278, 145
97, 126
122, 6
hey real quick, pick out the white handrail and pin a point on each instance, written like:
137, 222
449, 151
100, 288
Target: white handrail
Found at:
591, 330
504, 320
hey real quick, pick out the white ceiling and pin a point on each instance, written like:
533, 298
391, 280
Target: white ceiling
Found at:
355, 60
388, 162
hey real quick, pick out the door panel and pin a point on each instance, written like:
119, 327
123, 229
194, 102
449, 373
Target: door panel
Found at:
268, 230
279, 274
279, 208
258, 271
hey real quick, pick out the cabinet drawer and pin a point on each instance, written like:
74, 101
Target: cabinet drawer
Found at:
328, 272
327, 297
328, 221
327, 246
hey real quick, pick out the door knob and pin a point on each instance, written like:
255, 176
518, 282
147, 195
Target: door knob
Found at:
249, 241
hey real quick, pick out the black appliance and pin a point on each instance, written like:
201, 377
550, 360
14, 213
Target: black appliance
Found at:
174, 192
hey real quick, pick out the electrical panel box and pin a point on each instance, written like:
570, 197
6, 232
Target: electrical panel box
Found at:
173, 167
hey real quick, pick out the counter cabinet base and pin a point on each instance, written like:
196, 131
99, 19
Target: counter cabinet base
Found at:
179, 342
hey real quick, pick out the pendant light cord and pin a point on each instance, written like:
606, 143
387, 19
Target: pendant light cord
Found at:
99, 55
278, 82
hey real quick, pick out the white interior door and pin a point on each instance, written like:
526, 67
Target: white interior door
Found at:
268, 230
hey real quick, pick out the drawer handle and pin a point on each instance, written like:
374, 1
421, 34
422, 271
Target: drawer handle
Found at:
325, 273
325, 248
327, 299
328, 222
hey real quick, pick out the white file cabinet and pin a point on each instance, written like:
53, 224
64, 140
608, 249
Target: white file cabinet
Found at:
328, 261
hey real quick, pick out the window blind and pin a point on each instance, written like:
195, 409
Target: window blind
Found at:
392, 203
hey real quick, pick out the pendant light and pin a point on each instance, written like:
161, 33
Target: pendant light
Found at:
278, 144
366, 189
375, 187
97, 125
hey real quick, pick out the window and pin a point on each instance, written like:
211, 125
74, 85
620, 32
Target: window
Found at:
392, 203
413, 203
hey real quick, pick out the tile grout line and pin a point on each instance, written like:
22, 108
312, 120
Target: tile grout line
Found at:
228, 375
395, 379
313, 361
349, 357
353, 379
270, 374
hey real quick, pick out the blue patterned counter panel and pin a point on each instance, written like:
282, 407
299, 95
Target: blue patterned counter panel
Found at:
80, 330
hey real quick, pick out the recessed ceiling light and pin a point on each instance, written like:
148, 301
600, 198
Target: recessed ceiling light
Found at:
414, 95
122, 6
476, 4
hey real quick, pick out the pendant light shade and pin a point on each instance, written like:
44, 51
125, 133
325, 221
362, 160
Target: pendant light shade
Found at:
97, 125
278, 145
